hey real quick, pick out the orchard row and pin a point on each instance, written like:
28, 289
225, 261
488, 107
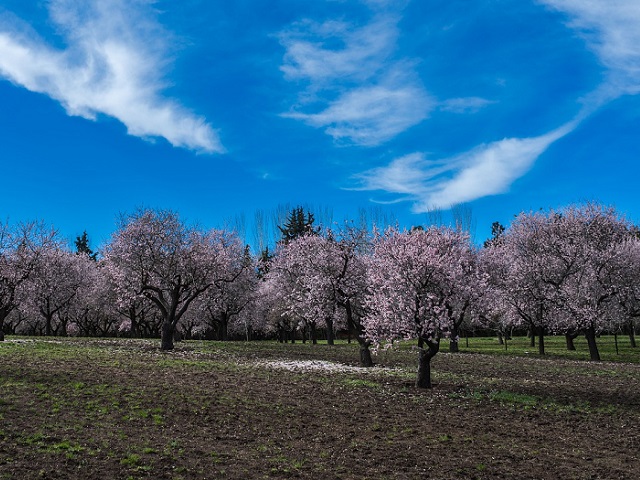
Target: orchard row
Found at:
573, 271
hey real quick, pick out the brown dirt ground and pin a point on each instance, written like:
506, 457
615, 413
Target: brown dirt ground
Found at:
90, 409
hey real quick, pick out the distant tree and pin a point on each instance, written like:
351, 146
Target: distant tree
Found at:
21, 249
83, 246
562, 270
222, 304
156, 256
298, 223
53, 288
497, 231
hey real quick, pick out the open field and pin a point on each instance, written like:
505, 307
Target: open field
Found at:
90, 408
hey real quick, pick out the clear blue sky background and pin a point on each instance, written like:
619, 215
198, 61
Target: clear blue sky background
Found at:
217, 109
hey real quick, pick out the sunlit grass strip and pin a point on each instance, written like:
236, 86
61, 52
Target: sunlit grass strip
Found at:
555, 345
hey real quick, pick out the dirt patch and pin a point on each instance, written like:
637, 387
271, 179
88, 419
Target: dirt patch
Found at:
87, 409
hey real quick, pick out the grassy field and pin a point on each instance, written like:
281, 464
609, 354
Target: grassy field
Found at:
555, 346
122, 409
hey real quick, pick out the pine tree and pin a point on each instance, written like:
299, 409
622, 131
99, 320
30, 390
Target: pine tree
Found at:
82, 246
298, 224
497, 230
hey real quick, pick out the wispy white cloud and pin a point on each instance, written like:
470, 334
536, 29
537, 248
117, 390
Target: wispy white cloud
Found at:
336, 50
113, 64
485, 170
372, 114
465, 104
361, 94
611, 30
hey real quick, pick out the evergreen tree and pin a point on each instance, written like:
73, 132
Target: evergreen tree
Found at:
497, 230
82, 246
298, 224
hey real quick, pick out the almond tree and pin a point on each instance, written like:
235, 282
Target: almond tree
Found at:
629, 287
324, 281
420, 284
92, 313
518, 276
224, 302
561, 270
154, 255
54, 286
20, 251
595, 238
299, 290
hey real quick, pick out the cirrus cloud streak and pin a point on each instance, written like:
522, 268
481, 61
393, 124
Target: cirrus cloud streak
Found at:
112, 65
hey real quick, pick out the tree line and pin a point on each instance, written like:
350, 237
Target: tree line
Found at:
569, 271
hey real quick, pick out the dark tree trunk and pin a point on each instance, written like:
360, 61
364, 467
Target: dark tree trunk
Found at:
569, 338
423, 379
500, 339
280, 335
365, 356
314, 334
223, 328
166, 339
532, 337
453, 342
48, 330
329, 322
632, 334
541, 340
590, 334
3, 315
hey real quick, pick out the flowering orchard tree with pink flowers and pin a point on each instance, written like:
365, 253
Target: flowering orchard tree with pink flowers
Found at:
55, 285
594, 239
21, 248
562, 272
348, 251
298, 290
156, 256
421, 283
323, 281
629, 287
222, 304
92, 312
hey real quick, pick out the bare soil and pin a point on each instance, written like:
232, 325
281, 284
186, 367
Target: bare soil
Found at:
80, 409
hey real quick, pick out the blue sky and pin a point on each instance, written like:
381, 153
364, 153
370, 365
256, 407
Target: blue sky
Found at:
217, 109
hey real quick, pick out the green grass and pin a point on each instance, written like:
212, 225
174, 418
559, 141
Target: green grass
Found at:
555, 346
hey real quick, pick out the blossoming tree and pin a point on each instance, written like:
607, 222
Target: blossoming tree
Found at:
157, 256
21, 248
420, 283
